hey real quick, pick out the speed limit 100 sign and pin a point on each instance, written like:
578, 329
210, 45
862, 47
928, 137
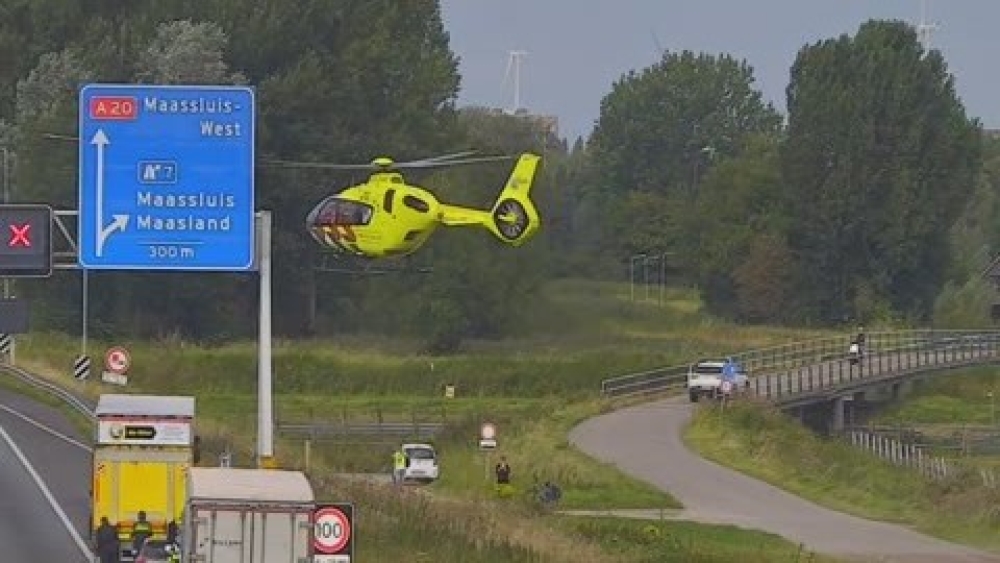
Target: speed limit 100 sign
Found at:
333, 531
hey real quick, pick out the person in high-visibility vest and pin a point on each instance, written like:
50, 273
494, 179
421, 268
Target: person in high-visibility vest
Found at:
141, 530
398, 466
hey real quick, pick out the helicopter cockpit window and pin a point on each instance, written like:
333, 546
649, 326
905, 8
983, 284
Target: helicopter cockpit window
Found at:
344, 212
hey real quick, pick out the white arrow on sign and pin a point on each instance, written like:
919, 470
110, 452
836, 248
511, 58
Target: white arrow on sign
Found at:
119, 222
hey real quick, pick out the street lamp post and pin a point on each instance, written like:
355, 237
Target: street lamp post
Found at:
631, 273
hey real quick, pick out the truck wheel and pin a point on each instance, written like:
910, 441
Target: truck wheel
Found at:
693, 396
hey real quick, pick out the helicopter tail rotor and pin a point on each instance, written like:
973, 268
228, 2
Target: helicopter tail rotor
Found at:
514, 216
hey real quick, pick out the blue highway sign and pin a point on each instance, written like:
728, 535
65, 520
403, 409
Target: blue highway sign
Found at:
166, 177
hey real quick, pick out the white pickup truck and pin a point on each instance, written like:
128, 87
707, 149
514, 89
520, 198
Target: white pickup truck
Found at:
706, 378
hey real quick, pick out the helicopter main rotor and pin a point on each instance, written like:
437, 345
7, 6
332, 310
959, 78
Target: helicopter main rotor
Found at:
386, 164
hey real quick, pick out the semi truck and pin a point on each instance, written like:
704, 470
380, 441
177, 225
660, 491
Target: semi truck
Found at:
143, 448
236, 515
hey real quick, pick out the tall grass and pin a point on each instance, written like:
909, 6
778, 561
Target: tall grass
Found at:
581, 333
763, 442
534, 385
953, 397
684, 542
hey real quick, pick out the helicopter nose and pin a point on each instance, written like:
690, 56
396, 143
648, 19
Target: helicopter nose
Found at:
312, 225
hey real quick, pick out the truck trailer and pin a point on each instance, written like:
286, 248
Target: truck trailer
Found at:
143, 448
235, 515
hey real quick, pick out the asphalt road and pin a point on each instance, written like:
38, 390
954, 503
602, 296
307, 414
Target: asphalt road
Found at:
31, 529
710, 493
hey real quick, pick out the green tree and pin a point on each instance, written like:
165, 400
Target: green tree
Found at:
654, 124
184, 52
660, 130
878, 160
739, 205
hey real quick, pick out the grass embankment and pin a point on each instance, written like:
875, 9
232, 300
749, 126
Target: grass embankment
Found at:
765, 443
534, 387
957, 413
957, 397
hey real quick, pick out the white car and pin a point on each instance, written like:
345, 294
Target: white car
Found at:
421, 463
710, 378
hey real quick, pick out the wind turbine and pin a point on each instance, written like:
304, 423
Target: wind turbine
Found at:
514, 63
925, 29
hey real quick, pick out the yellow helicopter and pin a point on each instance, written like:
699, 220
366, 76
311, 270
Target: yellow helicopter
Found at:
385, 217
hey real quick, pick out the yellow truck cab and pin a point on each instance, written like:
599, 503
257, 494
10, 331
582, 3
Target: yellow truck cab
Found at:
143, 447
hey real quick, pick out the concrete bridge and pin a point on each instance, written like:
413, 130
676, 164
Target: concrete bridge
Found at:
816, 379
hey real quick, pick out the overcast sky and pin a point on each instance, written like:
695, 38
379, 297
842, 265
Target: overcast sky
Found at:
578, 48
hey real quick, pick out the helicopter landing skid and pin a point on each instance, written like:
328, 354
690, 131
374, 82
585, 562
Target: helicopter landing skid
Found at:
356, 266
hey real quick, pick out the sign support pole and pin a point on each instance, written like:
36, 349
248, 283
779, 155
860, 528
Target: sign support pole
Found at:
265, 424
6, 281
84, 312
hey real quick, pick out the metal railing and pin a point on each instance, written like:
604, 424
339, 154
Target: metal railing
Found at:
79, 404
811, 370
915, 456
365, 431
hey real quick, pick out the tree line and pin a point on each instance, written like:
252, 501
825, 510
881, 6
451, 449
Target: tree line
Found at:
873, 198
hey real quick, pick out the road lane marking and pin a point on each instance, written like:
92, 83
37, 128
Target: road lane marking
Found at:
45, 428
47, 494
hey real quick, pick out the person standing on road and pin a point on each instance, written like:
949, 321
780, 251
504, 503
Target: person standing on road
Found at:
398, 466
107, 542
141, 531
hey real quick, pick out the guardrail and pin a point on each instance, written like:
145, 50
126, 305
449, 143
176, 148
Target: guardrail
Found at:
794, 371
367, 431
393, 430
79, 404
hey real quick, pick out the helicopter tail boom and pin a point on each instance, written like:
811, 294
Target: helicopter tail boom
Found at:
513, 218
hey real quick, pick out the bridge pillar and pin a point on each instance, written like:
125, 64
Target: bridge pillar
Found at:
837, 424
897, 390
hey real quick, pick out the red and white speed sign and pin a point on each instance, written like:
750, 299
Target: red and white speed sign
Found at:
117, 360
332, 530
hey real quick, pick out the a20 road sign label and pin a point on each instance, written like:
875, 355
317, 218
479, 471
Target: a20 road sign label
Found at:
333, 530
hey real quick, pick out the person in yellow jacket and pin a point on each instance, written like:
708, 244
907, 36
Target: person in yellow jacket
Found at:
141, 530
398, 466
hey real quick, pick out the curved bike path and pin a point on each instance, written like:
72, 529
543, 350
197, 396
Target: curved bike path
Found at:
645, 442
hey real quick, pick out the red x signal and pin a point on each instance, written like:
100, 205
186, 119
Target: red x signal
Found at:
20, 235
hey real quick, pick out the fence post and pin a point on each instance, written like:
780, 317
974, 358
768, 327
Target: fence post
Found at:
306, 453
